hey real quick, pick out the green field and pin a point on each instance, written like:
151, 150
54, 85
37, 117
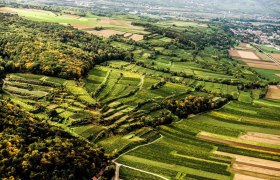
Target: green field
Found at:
269, 74
88, 22
269, 49
179, 151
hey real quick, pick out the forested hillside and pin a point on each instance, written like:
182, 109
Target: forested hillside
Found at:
50, 49
31, 148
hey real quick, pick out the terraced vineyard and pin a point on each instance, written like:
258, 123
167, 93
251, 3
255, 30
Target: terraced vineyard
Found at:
215, 145
109, 101
118, 104
107, 106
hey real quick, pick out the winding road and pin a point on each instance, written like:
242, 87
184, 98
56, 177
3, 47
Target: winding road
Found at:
118, 165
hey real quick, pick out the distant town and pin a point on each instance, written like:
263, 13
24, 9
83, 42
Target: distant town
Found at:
267, 33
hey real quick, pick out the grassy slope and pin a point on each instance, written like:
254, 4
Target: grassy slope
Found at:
89, 21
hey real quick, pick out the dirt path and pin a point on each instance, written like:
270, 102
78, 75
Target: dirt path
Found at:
141, 82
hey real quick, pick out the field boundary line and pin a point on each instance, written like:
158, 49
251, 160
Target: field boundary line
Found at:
194, 115
142, 80
119, 164
147, 172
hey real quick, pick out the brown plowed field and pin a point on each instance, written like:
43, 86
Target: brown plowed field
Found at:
261, 64
258, 167
237, 144
106, 33
276, 56
261, 137
7, 10
254, 60
243, 177
137, 37
244, 54
273, 92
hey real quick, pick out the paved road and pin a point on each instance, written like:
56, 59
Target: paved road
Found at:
118, 165
140, 170
268, 55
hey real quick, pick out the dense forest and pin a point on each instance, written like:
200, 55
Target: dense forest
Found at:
50, 49
197, 41
31, 148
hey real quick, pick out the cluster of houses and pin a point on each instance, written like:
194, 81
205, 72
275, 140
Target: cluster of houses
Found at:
259, 36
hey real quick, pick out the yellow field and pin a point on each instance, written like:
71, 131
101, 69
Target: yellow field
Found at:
137, 37
260, 167
106, 33
248, 55
114, 25
261, 137
276, 56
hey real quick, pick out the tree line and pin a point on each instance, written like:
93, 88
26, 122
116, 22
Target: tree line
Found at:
193, 105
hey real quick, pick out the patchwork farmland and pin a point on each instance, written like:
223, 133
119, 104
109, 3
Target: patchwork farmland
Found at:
227, 140
171, 105
89, 23
126, 95
255, 57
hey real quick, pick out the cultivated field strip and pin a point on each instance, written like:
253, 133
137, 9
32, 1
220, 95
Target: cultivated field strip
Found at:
181, 145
